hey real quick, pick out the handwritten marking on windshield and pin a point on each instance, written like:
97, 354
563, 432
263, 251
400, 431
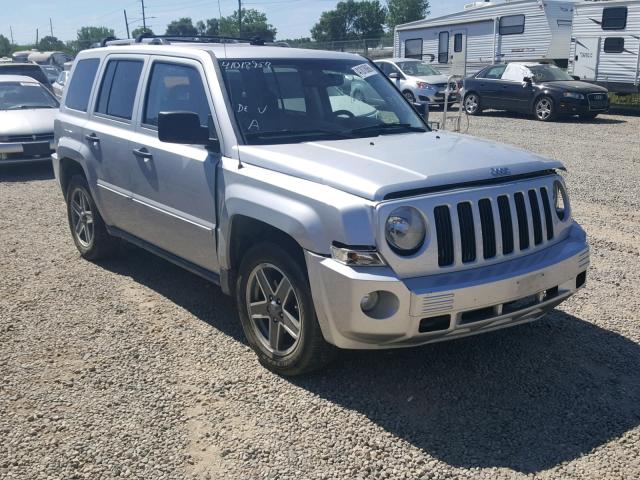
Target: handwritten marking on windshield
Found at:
245, 65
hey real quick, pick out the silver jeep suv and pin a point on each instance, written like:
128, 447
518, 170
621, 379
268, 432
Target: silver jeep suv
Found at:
334, 222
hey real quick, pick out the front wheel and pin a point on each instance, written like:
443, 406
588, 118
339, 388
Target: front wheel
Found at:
277, 312
472, 104
544, 109
409, 96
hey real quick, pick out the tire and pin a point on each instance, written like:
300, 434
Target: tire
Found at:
588, 116
283, 343
87, 226
409, 96
472, 104
544, 109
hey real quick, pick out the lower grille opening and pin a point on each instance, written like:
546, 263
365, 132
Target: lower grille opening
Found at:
581, 279
550, 293
435, 324
477, 315
520, 304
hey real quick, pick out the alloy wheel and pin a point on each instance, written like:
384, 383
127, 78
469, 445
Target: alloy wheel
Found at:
82, 217
274, 309
471, 104
543, 109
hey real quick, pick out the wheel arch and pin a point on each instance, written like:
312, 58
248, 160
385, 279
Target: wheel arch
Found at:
68, 168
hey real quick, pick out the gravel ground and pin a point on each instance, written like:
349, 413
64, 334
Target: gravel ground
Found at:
135, 368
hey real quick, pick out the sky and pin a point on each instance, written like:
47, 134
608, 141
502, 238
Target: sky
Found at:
292, 18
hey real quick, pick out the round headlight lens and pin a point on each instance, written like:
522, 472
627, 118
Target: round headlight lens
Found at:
560, 200
405, 230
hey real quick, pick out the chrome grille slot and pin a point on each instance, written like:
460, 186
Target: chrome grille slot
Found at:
506, 224
488, 228
535, 213
523, 226
467, 232
444, 235
547, 212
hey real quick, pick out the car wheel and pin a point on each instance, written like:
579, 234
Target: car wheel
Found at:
544, 109
87, 226
277, 312
472, 104
409, 96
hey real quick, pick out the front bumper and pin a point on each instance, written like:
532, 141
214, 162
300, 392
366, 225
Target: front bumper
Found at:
25, 152
434, 98
574, 106
456, 304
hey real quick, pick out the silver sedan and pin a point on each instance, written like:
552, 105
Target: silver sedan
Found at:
27, 112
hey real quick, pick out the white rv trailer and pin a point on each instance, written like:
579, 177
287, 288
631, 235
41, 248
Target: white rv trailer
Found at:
605, 44
488, 32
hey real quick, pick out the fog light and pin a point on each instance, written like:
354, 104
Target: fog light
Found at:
369, 301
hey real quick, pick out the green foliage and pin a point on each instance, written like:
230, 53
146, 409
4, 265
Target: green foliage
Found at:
50, 43
183, 26
351, 20
404, 11
90, 35
5, 46
139, 31
210, 26
254, 24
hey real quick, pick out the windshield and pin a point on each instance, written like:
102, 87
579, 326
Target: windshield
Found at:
23, 95
296, 100
417, 69
548, 73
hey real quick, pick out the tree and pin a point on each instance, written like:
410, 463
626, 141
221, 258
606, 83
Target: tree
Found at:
5, 46
183, 26
404, 11
210, 26
254, 24
140, 31
90, 35
351, 20
50, 43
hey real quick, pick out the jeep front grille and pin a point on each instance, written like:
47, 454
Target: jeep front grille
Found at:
491, 226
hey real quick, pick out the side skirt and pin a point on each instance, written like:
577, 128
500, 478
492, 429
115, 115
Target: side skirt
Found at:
192, 267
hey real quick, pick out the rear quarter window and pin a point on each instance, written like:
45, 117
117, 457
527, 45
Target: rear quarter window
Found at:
81, 84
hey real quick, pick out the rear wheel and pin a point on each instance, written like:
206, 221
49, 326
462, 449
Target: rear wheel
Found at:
472, 104
87, 226
277, 312
409, 96
544, 109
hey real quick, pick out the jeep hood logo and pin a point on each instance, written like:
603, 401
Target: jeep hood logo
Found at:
500, 172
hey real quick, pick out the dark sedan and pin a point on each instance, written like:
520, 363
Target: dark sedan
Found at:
543, 90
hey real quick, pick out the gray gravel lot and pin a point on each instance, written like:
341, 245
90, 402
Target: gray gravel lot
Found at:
135, 368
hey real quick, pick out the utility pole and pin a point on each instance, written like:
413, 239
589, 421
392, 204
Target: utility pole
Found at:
36, 38
144, 17
239, 18
126, 22
11, 31
51, 26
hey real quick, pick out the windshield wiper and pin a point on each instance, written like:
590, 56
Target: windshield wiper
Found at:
275, 134
382, 128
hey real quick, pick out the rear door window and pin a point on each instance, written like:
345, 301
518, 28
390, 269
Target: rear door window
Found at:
81, 84
118, 88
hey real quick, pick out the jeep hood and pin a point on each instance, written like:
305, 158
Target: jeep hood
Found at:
375, 167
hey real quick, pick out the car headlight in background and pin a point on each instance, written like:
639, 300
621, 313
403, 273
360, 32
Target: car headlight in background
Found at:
405, 230
424, 85
577, 96
560, 200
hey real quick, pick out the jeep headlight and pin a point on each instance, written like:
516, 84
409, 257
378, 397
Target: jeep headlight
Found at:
576, 95
405, 230
560, 201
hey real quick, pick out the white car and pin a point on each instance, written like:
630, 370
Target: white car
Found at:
27, 112
59, 84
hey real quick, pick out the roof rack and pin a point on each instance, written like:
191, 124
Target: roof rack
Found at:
152, 39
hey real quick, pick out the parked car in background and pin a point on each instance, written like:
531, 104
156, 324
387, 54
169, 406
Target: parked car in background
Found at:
59, 84
332, 221
541, 89
27, 113
418, 81
25, 69
51, 71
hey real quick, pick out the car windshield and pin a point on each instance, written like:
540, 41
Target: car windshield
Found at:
25, 95
417, 69
548, 73
297, 100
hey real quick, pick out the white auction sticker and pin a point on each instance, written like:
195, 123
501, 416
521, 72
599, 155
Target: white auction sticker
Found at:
364, 70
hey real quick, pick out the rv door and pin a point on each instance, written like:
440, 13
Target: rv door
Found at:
459, 52
586, 60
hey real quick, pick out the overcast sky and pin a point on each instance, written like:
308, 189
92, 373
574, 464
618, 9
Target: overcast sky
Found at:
292, 18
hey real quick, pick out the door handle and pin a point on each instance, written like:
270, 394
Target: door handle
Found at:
143, 153
92, 138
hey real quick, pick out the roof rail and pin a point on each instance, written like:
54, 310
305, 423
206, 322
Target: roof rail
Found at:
198, 39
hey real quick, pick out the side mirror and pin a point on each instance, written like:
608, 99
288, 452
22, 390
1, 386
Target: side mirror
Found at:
527, 80
394, 76
575, 77
184, 128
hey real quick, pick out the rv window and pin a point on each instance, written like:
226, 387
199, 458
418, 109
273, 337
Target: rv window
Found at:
614, 18
614, 45
511, 25
457, 42
413, 48
443, 47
